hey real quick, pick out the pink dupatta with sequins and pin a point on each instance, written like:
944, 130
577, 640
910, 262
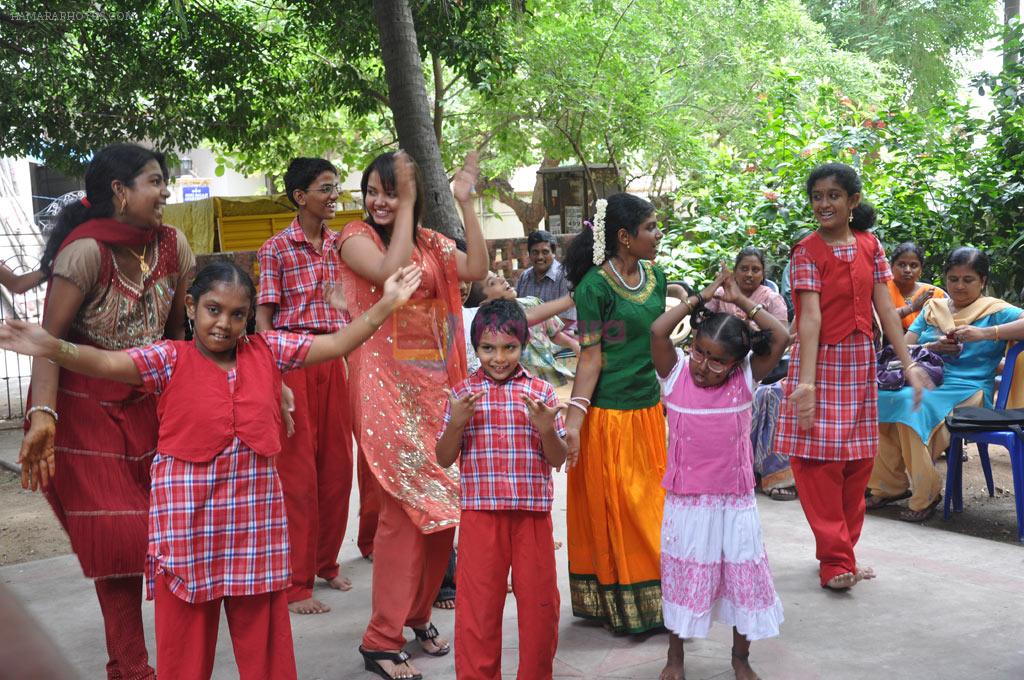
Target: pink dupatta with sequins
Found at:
400, 379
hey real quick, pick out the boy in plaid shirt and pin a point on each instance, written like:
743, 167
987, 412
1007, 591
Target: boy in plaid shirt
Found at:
505, 426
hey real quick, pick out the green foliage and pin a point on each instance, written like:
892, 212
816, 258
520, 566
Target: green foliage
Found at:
923, 38
941, 178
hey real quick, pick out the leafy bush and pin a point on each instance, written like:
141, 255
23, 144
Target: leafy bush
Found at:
942, 178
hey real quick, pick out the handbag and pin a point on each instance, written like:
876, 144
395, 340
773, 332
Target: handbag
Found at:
890, 371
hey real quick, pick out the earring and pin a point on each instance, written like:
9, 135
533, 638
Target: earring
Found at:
189, 326
851, 217
124, 205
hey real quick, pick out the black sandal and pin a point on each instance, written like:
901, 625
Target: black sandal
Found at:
370, 660
430, 633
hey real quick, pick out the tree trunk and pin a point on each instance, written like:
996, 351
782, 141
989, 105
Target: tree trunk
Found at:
1011, 9
407, 97
531, 213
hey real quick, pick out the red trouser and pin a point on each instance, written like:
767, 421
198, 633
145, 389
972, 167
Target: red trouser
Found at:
121, 604
369, 504
186, 635
315, 467
407, 570
832, 496
490, 542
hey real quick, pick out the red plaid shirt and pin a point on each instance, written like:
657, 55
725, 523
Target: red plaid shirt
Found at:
217, 529
502, 463
295, 278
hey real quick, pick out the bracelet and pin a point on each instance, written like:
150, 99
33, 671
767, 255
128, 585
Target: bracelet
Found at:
579, 406
43, 409
997, 331
754, 310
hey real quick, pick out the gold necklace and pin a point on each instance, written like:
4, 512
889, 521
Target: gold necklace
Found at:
143, 265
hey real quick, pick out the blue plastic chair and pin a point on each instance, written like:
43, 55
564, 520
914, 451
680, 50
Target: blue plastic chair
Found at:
1005, 438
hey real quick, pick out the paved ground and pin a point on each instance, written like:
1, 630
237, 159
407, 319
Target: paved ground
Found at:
945, 605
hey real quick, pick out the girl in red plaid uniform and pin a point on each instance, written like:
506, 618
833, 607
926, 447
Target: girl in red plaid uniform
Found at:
217, 527
830, 430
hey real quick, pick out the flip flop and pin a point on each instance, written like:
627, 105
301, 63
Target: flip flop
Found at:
430, 633
370, 660
782, 493
874, 502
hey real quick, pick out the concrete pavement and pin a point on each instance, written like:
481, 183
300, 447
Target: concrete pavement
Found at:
945, 606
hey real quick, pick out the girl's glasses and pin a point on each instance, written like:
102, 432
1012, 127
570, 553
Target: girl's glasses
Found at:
713, 365
328, 189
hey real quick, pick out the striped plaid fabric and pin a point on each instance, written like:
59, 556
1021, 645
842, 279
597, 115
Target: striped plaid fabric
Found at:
846, 391
217, 529
295, 277
502, 464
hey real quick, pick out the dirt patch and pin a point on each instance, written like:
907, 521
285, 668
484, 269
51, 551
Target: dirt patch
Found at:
28, 528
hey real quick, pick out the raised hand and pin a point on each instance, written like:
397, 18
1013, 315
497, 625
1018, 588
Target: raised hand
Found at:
724, 274
731, 290
400, 286
466, 178
405, 178
27, 338
462, 408
541, 415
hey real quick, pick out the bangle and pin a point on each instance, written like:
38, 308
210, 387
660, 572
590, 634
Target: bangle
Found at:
754, 310
42, 409
809, 386
579, 406
571, 399
997, 331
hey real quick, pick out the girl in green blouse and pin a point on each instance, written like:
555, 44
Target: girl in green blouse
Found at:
615, 423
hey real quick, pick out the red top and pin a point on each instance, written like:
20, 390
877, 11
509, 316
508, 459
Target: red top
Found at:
200, 415
502, 465
296, 277
847, 287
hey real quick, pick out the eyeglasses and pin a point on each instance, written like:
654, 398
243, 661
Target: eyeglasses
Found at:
328, 189
713, 365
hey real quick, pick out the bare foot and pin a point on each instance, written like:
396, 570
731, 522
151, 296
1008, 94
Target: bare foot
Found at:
865, 574
842, 581
445, 604
673, 670
741, 667
308, 606
339, 582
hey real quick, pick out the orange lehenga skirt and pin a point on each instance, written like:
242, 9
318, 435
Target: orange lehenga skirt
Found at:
614, 518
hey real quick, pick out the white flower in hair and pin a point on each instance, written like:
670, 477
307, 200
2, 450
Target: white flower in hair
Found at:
599, 245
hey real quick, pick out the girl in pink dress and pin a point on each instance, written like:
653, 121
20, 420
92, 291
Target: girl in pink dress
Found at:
713, 562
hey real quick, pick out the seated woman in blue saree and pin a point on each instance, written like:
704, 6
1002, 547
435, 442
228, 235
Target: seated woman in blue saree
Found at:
910, 440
